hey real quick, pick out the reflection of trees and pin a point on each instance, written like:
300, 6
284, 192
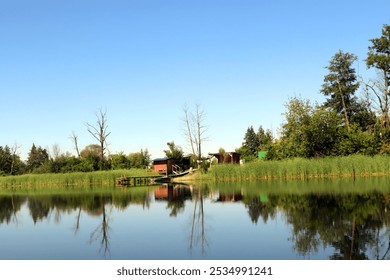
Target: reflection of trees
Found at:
355, 225
254, 209
39, 209
198, 230
9, 206
381, 246
77, 224
42, 206
257, 209
177, 195
101, 232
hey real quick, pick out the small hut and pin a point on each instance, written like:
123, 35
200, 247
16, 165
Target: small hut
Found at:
227, 157
163, 165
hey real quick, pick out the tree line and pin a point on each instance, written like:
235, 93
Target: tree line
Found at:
345, 123
96, 156
40, 161
93, 157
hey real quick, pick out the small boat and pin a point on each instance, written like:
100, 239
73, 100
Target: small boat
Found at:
174, 175
165, 179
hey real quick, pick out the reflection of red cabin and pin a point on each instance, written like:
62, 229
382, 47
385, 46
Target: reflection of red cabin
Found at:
161, 193
163, 165
171, 193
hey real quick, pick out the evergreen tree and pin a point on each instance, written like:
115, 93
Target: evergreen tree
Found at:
265, 138
37, 157
251, 141
340, 84
5, 160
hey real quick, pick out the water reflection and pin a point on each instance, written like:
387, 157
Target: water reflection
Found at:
198, 228
351, 225
101, 233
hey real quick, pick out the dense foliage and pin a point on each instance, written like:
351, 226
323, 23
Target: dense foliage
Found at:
39, 161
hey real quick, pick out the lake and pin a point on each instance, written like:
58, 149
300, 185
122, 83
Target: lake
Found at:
277, 220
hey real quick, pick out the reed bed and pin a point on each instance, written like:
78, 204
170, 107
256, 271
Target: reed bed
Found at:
97, 178
300, 168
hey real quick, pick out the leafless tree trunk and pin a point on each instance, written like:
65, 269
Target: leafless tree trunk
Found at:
56, 151
14, 151
344, 105
74, 139
195, 130
99, 132
378, 91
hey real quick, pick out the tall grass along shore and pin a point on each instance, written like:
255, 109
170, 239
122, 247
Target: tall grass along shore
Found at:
300, 168
97, 178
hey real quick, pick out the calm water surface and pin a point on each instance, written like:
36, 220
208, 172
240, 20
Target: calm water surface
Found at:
327, 219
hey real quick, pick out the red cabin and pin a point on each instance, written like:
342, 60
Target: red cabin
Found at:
163, 165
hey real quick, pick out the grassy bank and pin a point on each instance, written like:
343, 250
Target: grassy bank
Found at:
97, 178
337, 167
299, 168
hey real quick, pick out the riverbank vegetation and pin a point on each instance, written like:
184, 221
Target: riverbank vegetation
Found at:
301, 168
93, 179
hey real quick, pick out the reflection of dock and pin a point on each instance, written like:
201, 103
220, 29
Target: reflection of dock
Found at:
136, 181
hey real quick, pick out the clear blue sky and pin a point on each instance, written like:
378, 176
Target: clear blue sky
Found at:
142, 60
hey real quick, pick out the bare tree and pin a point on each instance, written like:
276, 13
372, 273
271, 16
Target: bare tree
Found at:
55, 151
99, 132
195, 129
378, 57
14, 153
74, 139
377, 91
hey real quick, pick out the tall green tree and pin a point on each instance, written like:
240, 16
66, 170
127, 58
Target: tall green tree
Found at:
37, 157
90, 157
265, 138
120, 161
341, 84
294, 131
5, 160
378, 57
140, 159
175, 152
251, 141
